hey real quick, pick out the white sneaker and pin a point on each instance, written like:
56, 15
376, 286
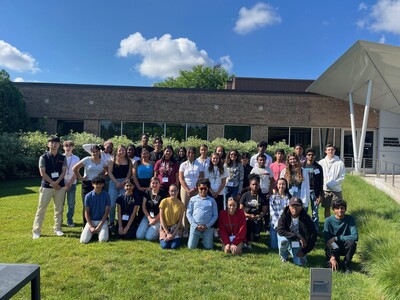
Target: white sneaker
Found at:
216, 233
59, 233
35, 236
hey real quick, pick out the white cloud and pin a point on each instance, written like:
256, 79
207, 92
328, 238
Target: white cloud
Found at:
13, 59
361, 23
163, 57
383, 17
19, 79
226, 63
362, 6
261, 15
382, 39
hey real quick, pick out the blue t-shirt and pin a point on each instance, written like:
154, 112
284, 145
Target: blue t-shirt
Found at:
145, 172
97, 204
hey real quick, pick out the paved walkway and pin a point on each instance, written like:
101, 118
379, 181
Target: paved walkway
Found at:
387, 187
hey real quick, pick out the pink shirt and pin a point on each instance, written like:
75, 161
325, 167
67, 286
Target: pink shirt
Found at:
277, 169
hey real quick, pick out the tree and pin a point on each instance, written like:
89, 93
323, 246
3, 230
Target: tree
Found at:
199, 77
13, 115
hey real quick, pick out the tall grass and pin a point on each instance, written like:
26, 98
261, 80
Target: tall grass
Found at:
140, 269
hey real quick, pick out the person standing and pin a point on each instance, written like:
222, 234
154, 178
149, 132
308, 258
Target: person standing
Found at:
299, 150
52, 168
156, 154
144, 144
334, 174
341, 236
262, 147
279, 163
70, 181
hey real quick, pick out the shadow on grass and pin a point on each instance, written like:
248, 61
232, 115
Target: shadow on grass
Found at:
18, 187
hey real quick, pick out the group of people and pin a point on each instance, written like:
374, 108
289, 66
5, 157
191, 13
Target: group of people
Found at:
145, 192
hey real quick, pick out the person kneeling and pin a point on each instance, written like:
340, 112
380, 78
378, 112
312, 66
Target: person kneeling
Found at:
296, 232
97, 208
202, 212
341, 236
232, 228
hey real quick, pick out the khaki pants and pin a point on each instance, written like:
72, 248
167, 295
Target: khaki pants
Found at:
45, 195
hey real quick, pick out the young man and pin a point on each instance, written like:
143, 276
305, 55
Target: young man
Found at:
299, 149
341, 236
202, 212
262, 147
97, 208
70, 181
52, 168
296, 232
316, 177
279, 164
158, 152
334, 173
144, 144
265, 173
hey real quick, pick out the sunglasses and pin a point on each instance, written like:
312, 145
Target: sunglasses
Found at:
203, 189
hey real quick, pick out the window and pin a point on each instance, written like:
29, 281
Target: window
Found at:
278, 134
321, 137
108, 129
197, 130
300, 135
239, 133
154, 129
176, 131
64, 127
132, 130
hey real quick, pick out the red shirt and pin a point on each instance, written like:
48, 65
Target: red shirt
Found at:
232, 225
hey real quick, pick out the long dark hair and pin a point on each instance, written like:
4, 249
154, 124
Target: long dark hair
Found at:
220, 164
229, 162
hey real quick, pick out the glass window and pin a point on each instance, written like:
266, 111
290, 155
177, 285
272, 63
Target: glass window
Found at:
64, 127
300, 135
176, 131
321, 137
132, 130
108, 129
278, 134
240, 133
199, 130
154, 129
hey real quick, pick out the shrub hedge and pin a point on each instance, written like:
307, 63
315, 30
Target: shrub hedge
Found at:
21, 151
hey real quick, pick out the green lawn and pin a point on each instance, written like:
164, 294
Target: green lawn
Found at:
139, 269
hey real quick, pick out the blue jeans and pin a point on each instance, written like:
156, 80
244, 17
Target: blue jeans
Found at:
144, 231
314, 210
70, 195
114, 193
231, 191
285, 247
172, 244
195, 235
273, 236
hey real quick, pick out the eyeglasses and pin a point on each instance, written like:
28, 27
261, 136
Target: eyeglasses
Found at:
203, 189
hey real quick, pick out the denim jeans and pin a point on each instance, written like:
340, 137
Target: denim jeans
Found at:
273, 236
231, 191
114, 193
195, 235
314, 210
70, 195
144, 231
285, 247
172, 244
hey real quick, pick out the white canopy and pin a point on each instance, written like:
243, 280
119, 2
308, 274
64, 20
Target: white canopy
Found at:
367, 74
363, 62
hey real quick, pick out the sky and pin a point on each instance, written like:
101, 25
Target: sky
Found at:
138, 43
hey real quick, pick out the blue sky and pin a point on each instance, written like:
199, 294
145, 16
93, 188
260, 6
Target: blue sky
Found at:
137, 43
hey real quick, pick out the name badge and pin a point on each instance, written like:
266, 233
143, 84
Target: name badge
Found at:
152, 214
55, 175
125, 217
165, 179
295, 244
231, 238
229, 184
316, 172
68, 177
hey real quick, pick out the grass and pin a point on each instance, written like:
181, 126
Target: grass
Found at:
140, 269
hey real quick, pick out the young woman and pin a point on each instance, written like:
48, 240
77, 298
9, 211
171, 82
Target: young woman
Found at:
132, 153
127, 207
234, 182
216, 173
119, 170
221, 151
166, 169
150, 225
93, 166
232, 228
181, 155
277, 202
246, 169
142, 172
189, 173
297, 178
171, 214
255, 206
203, 159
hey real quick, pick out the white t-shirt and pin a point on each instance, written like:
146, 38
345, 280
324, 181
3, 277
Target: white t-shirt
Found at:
265, 177
92, 169
71, 162
215, 178
191, 172
253, 160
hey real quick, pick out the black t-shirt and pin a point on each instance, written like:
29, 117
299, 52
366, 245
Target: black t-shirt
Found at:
127, 203
253, 204
153, 202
